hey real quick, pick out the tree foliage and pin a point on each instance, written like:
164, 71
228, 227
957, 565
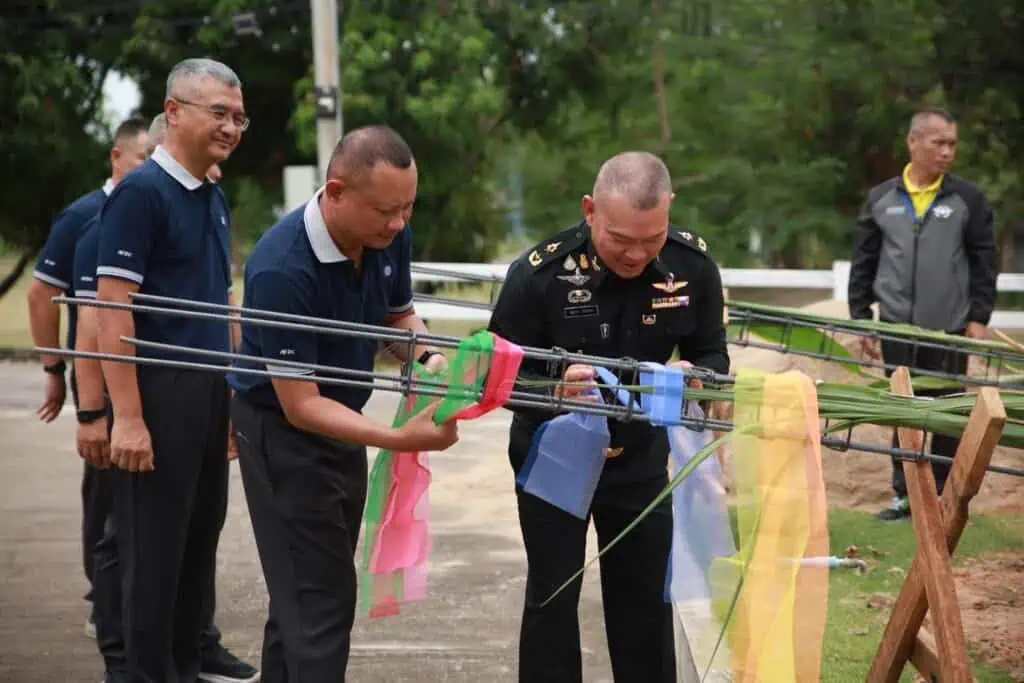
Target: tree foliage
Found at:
774, 116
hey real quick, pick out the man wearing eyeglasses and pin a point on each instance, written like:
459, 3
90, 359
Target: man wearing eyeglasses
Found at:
166, 231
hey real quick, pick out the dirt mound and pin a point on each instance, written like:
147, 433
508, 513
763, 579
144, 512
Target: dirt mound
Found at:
990, 590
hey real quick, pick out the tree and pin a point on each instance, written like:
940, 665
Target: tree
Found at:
427, 71
268, 45
52, 139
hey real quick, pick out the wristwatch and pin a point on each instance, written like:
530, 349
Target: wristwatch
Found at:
57, 368
89, 416
426, 355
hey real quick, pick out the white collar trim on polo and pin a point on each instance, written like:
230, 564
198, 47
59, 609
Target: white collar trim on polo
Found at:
108, 186
324, 248
174, 169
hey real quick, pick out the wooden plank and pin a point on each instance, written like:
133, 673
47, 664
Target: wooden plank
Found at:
984, 429
924, 657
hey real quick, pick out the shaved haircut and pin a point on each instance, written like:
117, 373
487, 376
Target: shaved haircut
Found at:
920, 118
358, 152
640, 177
129, 130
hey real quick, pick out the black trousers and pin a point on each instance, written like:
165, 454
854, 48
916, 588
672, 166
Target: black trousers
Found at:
638, 621
167, 524
305, 496
925, 358
108, 598
97, 502
97, 499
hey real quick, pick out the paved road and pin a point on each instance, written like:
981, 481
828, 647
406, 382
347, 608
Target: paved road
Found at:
465, 631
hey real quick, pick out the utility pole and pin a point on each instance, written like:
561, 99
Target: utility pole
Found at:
327, 81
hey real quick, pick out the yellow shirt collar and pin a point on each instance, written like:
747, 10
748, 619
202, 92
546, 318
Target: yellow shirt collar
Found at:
914, 189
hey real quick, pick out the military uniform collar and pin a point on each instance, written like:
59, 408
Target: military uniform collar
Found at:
597, 270
656, 270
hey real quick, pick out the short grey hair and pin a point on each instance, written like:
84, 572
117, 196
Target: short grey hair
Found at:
158, 130
641, 177
920, 117
200, 67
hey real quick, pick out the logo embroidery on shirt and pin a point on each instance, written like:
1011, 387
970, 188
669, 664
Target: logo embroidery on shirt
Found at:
387, 271
942, 211
122, 252
287, 352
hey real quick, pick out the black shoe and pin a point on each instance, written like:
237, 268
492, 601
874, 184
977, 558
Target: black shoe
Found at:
900, 510
220, 666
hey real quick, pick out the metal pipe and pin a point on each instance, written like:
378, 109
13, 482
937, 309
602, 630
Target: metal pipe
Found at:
744, 310
518, 399
749, 319
343, 328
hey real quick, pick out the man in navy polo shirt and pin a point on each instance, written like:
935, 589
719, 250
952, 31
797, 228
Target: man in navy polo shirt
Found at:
217, 664
164, 231
52, 277
302, 445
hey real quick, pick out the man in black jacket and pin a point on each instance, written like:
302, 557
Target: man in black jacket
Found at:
621, 282
925, 250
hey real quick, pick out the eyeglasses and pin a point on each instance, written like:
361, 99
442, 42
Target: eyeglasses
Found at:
219, 113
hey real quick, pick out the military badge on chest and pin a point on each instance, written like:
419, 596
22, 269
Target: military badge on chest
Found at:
669, 286
578, 298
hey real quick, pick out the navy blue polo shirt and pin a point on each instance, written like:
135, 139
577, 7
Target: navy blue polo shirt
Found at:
83, 275
297, 268
57, 259
170, 233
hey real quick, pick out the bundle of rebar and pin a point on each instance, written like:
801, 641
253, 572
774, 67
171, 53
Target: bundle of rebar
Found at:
529, 392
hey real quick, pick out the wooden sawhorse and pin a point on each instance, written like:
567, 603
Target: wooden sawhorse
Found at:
938, 526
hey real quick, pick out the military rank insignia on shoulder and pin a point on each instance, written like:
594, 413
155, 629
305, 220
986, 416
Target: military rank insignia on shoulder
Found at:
554, 249
689, 239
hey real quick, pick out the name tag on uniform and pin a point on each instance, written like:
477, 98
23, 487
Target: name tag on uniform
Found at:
669, 302
579, 311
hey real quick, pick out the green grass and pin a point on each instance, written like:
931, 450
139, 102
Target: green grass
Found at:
855, 630
14, 330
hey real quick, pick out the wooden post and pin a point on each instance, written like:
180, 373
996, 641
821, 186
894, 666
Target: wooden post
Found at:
923, 588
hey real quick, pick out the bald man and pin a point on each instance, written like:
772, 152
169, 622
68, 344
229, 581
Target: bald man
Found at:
346, 256
924, 249
621, 282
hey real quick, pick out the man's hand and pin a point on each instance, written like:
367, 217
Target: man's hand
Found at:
870, 348
93, 443
421, 434
578, 380
130, 445
436, 364
977, 331
53, 402
686, 365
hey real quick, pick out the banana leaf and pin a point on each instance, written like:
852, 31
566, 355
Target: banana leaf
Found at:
878, 327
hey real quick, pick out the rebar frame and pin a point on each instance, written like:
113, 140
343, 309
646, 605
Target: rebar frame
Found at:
749, 318
558, 360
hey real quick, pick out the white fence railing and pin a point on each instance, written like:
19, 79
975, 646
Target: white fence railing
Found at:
834, 281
